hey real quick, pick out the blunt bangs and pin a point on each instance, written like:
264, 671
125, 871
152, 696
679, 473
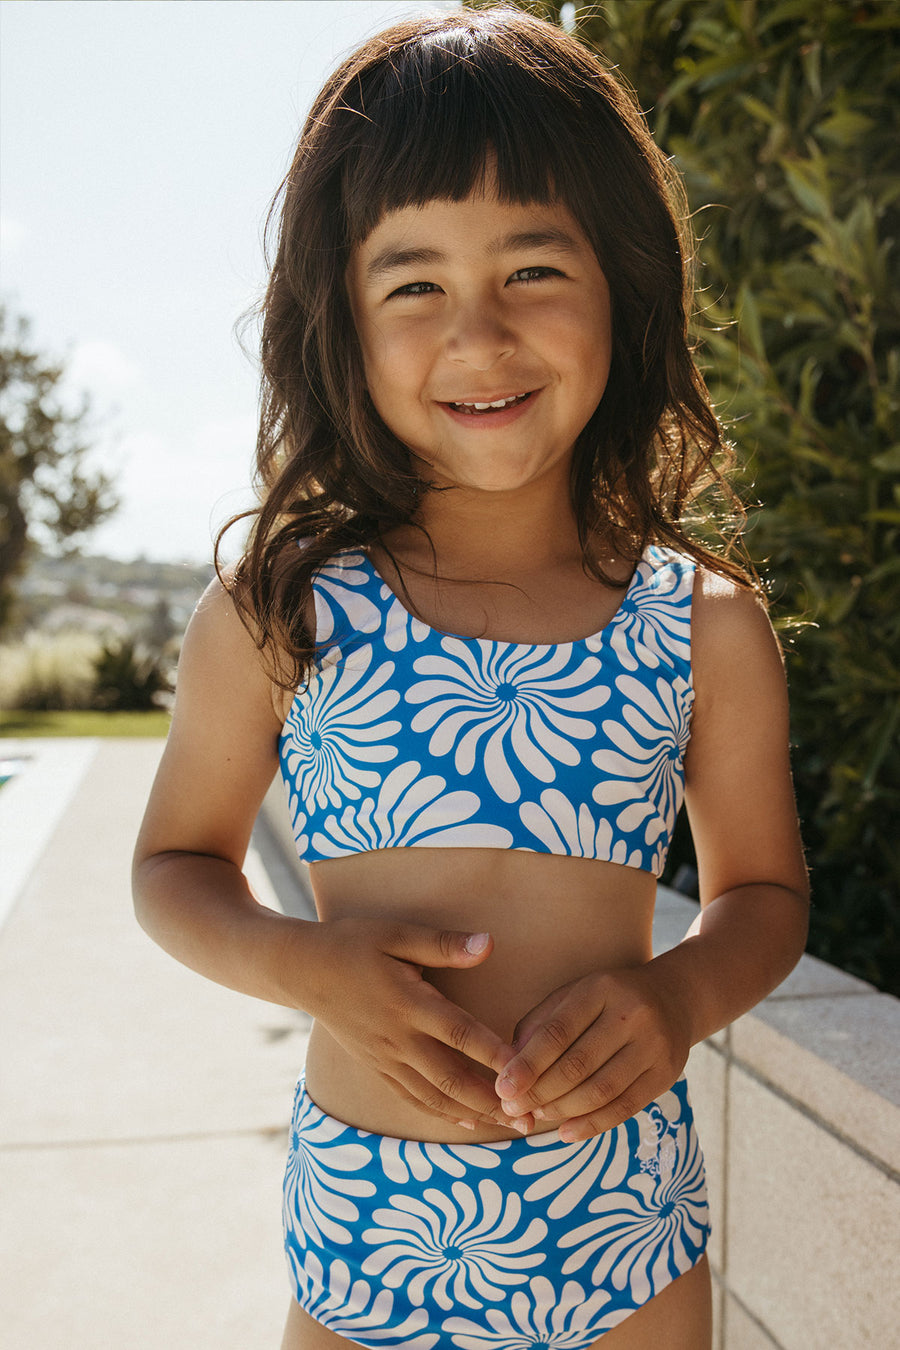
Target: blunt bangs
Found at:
439, 117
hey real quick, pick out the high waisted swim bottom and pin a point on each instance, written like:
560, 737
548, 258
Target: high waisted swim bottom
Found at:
506, 1246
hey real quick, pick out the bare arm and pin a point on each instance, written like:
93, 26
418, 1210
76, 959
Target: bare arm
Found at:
190, 894
193, 899
754, 892
597, 1051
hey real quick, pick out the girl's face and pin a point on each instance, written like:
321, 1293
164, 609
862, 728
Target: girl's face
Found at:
479, 302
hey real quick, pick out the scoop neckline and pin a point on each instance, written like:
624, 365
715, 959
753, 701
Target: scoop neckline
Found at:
503, 642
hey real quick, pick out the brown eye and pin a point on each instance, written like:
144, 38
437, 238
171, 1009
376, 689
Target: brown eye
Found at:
529, 274
414, 288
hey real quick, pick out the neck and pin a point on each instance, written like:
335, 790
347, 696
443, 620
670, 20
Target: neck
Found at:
490, 533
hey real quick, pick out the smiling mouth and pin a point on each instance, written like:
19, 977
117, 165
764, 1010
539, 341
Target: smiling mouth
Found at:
485, 409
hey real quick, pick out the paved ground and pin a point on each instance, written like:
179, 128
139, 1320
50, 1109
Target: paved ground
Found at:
143, 1110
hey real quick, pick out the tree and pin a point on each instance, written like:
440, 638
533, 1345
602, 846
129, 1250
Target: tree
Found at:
47, 491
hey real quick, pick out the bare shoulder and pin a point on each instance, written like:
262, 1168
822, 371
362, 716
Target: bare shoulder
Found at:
216, 612
737, 767
221, 659
733, 642
216, 624
720, 602
222, 749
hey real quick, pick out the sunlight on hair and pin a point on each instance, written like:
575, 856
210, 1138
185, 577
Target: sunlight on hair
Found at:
567, 17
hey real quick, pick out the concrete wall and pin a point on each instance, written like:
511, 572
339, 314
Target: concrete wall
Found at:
798, 1109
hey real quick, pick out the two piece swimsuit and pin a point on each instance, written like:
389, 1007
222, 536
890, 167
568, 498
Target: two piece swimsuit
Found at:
408, 737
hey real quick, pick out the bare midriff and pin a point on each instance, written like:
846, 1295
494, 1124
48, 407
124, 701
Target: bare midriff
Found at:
553, 920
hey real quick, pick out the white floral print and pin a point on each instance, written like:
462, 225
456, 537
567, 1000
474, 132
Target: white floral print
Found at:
340, 599
458, 1249
298, 818
642, 775
577, 834
653, 623
354, 1309
401, 628
318, 1195
405, 1159
524, 703
550, 1246
539, 1317
575, 748
567, 1173
642, 1234
329, 739
410, 810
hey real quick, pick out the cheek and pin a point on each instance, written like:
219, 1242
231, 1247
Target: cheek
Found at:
395, 367
374, 353
585, 354
597, 345
573, 331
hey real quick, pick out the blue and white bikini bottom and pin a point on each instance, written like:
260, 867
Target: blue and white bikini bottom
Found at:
505, 1246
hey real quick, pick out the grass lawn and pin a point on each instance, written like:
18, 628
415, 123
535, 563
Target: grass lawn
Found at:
27, 724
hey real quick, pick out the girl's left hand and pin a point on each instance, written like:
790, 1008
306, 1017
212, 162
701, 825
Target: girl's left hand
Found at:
596, 1051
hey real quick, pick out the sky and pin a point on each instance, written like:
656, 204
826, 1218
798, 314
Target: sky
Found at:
140, 145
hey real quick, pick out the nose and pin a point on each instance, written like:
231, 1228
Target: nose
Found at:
479, 337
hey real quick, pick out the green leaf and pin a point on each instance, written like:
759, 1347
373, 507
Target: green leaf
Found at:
761, 111
809, 185
749, 323
811, 56
889, 460
845, 127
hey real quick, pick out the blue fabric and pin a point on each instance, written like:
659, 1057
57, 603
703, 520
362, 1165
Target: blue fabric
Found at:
406, 736
507, 1246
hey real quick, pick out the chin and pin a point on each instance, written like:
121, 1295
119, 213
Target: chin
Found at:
482, 479
494, 486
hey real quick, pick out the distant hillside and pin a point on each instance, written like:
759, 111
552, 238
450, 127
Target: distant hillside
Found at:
105, 595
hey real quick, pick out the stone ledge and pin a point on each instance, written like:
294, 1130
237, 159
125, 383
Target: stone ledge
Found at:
836, 1057
810, 1221
823, 1038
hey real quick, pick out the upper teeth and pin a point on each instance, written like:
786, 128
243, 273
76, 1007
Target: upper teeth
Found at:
498, 403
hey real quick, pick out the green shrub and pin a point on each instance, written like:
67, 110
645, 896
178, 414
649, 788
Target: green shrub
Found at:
784, 118
44, 673
71, 671
128, 678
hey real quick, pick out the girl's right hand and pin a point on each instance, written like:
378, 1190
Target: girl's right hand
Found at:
364, 981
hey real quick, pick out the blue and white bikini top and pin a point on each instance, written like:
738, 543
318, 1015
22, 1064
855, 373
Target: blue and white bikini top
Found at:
407, 737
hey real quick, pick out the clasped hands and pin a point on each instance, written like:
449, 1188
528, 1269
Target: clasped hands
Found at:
585, 1059
593, 1053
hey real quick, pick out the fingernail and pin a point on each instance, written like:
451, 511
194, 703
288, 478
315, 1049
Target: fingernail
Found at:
505, 1087
476, 943
538, 1114
519, 1125
466, 1124
510, 1109
567, 1134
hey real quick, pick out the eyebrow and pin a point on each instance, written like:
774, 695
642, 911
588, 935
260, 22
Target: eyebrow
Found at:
392, 259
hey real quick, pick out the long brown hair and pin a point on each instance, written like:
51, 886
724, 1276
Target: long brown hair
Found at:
419, 113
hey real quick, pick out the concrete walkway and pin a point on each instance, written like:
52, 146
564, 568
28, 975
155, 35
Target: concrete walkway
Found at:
143, 1110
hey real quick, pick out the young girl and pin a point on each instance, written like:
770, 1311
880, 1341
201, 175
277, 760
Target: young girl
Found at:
491, 662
